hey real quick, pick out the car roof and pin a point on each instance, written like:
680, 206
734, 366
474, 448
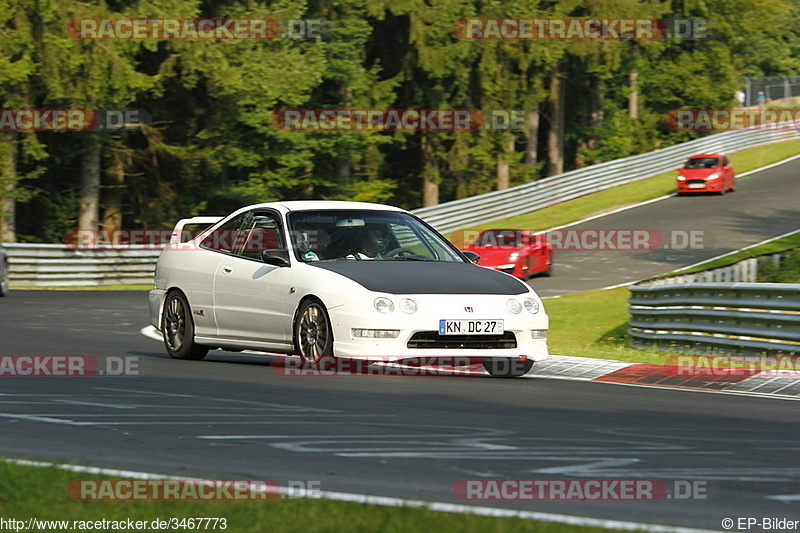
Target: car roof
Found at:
705, 155
320, 205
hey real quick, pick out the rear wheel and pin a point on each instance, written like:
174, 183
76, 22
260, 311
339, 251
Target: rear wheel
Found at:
502, 367
178, 328
314, 336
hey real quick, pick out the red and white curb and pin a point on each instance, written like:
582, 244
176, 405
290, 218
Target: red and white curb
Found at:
767, 383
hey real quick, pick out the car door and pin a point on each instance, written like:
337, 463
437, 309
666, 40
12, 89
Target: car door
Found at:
199, 266
250, 295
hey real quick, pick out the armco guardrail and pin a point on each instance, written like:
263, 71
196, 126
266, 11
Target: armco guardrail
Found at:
724, 318
56, 265
469, 212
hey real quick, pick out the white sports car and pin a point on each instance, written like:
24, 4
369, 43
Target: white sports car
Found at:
324, 279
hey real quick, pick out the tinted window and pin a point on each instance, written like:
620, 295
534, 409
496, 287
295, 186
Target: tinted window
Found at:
504, 238
366, 235
702, 162
225, 237
260, 232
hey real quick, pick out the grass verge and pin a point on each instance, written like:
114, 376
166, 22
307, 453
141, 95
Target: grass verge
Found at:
32, 492
783, 244
595, 323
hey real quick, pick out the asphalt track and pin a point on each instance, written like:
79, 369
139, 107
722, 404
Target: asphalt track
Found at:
766, 204
233, 417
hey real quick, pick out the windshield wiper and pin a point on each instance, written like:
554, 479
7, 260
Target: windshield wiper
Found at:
406, 258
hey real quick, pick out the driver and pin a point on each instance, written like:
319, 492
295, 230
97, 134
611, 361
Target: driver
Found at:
373, 244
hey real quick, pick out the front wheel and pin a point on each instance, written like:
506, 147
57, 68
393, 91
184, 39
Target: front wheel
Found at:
501, 367
314, 336
549, 271
178, 328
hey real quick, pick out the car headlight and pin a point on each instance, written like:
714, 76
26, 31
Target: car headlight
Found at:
532, 306
407, 305
513, 256
514, 306
713, 176
681, 178
383, 305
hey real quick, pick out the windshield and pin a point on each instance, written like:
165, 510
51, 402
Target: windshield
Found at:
366, 235
506, 238
702, 162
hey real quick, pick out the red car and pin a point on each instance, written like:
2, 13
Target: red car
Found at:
520, 253
706, 173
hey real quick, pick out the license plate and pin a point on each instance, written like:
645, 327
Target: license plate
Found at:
470, 327
697, 186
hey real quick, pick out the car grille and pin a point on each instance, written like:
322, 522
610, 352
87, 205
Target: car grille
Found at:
432, 339
695, 182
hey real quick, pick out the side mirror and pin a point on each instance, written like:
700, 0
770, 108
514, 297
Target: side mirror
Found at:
274, 257
472, 256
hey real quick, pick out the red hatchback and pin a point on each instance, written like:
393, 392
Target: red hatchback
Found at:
706, 173
520, 253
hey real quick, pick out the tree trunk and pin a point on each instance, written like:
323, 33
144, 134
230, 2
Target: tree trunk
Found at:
115, 191
430, 193
503, 166
532, 143
555, 135
8, 182
633, 100
594, 121
90, 184
430, 189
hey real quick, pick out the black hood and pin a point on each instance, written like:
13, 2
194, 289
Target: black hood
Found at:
424, 277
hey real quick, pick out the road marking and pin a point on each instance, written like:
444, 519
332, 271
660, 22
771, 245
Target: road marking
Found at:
108, 405
389, 501
786, 498
151, 333
46, 419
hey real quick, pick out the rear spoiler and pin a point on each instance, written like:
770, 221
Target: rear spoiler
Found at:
177, 232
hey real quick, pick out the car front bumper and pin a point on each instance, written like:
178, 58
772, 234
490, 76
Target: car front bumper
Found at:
421, 329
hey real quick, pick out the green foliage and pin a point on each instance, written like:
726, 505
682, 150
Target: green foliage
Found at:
786, 271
